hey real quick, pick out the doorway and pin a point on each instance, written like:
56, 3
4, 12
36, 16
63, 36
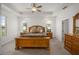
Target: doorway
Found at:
65, 28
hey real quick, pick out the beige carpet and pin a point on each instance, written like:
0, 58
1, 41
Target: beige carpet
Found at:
56, 48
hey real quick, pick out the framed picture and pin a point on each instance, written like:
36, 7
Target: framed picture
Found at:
3, 26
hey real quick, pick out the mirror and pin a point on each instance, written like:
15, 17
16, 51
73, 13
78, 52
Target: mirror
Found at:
76, 24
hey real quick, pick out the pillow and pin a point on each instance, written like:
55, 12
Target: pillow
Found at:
39, 29
33, 29
36, 29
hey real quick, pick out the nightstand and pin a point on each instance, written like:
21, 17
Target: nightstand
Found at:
49, 34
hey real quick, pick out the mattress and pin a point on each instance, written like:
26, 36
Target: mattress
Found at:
34, 34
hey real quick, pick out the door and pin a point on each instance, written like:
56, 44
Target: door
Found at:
65, 28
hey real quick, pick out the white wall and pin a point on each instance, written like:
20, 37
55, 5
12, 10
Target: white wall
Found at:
14, 23
0, 9
66, 14
0, 14
11, 25
38, 20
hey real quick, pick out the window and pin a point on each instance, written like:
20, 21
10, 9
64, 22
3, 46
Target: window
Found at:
2, 26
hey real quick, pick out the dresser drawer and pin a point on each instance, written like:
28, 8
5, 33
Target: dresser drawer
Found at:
68, 45
75, 39
67, 48
75, 52
75, 48
68, 38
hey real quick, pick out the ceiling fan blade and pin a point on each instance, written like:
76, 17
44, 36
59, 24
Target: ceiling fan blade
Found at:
33, 11
39, 10
28, 8
64, 7
34, 5
39, 6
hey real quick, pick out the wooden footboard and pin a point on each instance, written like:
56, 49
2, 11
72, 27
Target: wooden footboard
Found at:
32, 42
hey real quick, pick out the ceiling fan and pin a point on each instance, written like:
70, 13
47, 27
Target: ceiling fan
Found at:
35, 7
65, 7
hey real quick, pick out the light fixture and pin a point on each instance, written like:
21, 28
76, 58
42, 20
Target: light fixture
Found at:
24, 29
48, 28
34, 9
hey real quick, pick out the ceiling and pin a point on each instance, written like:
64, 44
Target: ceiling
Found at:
47, 8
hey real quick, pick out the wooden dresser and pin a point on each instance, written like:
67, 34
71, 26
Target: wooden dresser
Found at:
71, 43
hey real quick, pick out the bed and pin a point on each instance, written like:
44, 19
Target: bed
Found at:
36, 37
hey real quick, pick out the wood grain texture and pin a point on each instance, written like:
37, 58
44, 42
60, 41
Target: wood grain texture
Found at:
71, 43
32, 42
50, 34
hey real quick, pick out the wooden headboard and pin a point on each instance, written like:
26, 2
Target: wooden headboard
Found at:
36, 29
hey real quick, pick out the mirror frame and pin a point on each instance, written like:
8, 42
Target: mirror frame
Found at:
76, 17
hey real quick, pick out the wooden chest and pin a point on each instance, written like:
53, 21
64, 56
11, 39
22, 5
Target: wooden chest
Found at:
71, 43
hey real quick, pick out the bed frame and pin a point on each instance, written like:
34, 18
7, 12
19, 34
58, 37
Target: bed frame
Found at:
33, 41
36, 28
